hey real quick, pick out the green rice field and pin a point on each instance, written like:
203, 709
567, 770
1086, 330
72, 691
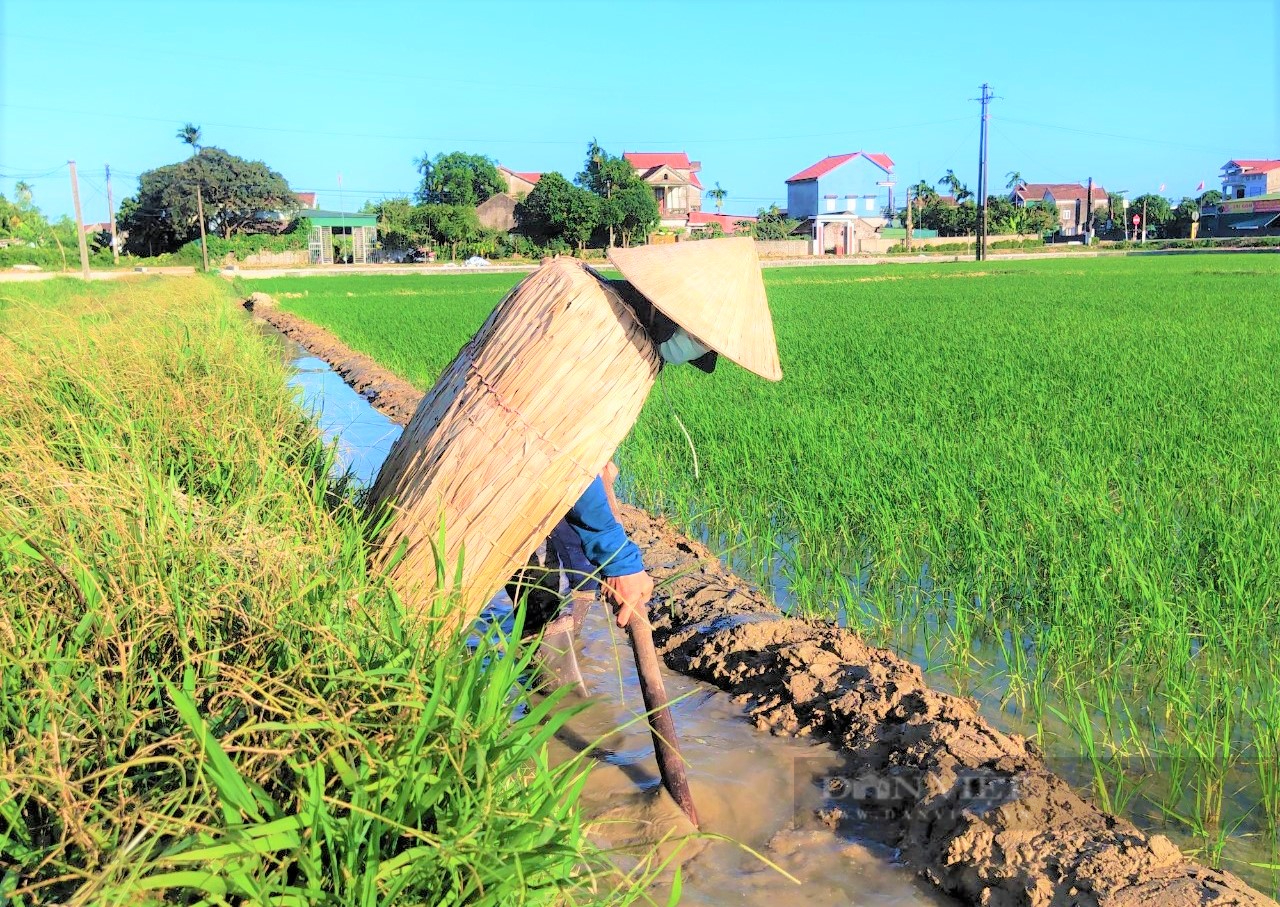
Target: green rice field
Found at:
1055, 484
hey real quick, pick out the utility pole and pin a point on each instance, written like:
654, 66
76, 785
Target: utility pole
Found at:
204, 245
982, 176
75, 198
1143, 240
1088, 214
907, 244
111, 210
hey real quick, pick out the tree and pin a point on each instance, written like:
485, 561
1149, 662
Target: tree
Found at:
718, 194
240, 196
634, 211
1159, 212
1212, 197
190, 134
1041, 217
458, 178
557, 209
1015, 180
918, 196
1002, 215
627, 205
450, 225
771, 224
22, 189
401, 224
1187, 212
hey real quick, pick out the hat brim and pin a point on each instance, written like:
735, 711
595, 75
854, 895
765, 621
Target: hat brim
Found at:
713, 289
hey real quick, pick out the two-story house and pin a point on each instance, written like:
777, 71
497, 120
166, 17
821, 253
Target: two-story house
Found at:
841, 198
1245, 179
1071, 199
674, 180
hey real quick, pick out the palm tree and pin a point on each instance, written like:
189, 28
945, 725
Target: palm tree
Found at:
921, 194
190, 133
952, 182
22, 189
922, 189
718, 194
1015, 180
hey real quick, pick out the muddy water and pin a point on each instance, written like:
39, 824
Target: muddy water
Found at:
763, 792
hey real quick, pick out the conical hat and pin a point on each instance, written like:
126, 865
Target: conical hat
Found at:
712, 288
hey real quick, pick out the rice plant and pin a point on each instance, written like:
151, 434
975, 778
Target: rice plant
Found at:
205, 697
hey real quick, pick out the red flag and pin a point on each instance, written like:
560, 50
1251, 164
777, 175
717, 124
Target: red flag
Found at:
1200, 188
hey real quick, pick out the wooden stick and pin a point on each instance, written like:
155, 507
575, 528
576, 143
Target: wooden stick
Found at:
665, 745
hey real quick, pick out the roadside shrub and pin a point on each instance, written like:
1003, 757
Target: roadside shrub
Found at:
240, 246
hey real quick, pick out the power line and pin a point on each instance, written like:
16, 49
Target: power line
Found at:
28, 173
478, 140
1113, 135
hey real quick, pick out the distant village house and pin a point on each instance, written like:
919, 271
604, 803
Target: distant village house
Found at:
1068, 198
674, 180
498, 212
519, 183
1251, 201
841, 199
1243, 179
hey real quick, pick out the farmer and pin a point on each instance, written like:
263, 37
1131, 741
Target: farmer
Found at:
590, 542
541, 396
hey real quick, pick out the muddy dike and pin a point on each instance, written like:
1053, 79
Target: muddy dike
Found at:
974, 810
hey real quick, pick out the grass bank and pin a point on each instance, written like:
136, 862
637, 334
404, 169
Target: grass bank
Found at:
1055, 479
204, 695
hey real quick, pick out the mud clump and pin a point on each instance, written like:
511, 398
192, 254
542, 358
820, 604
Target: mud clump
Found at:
973, 809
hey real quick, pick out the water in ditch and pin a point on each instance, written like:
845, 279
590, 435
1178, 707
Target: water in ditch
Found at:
758, 796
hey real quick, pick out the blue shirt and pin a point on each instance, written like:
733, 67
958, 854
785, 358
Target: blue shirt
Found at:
604, 541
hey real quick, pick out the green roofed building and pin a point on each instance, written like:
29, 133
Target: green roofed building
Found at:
340, 237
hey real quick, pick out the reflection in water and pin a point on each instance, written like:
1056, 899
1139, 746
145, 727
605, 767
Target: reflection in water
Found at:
364, 436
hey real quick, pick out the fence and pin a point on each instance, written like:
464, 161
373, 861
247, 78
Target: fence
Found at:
783, 248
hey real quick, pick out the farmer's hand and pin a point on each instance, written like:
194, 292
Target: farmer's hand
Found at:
629, 594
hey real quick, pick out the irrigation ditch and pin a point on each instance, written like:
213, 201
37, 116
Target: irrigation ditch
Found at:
974, 810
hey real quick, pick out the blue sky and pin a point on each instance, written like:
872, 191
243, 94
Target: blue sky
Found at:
1133, 93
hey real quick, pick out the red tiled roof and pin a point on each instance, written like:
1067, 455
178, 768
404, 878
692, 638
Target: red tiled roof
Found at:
727, 222
1075, 192
529, 176
1256, 166
645, 161
306, 199
827, 164
1060, 191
